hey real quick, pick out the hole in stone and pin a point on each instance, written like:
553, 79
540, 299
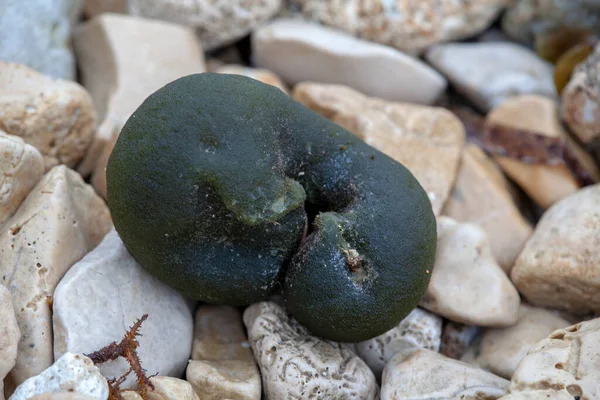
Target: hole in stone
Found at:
574, 390
559, 366
558, 335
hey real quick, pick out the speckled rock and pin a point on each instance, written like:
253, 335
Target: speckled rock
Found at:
481, 195
165, 388
70, 373
524, 18
260, 74
9, 336
545, 184
223, 365
55, 116
500, 349
410, 26
85, 319
60, 221
463, 262
217, 22
457, 338
420, 374
301, 51
293, 363
489, 73
580, 105
21, 167
427, 140
566, 363
560, 264
123, 60
91, 8
36, 33
419, 329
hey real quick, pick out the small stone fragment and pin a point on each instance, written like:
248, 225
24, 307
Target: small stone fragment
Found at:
9, 336
123, 60
580, 106
426, 140
295, 364
410, 26
36, 33
566, 363
424, 374
21, 167
86, 319
560, 264
70, 373
545, 184
260, 74
490, 73
216, 22
456, 291
481, 195
500, 349
223, 365
55, 116
165, 388
419, 329
91, 8
60, 221
457, 338
301, 51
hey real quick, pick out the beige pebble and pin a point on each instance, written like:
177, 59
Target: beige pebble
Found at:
500, 349
217, 22
467, 285
294, 363
419, 329
560, 264
260, 74
165, 388
407, 25
21, 167
424, 374
91, 8
124, 59
481, 195
9, 336
426, 140
70, 373
300, 51
60, 221
489, 73
55, 116
565, 363
61, 396
545, 184
224, 379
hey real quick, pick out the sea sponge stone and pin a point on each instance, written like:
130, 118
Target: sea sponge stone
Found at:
228, 190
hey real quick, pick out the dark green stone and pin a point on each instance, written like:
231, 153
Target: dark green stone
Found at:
209, 186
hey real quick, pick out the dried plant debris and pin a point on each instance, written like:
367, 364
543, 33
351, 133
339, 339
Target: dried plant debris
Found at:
126, 348
523, 145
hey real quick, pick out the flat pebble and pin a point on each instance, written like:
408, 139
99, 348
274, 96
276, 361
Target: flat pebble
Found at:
426, 140
560, 264
463, 262
488, 73
21, 167
70, 373
107, 291
421, 374
419, 329
301, 51
295, 364
55, 116
124, 59
59, 222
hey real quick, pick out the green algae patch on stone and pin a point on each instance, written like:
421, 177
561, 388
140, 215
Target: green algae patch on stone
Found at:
228, 190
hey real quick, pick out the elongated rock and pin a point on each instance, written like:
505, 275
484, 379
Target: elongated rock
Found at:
9, 336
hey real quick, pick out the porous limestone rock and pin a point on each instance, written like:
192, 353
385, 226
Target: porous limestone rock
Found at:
426, 140
295, 364
60, 221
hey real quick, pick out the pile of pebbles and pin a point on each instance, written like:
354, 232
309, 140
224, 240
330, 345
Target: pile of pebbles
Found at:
511, 310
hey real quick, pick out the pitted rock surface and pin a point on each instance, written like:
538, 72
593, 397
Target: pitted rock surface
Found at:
295, 364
